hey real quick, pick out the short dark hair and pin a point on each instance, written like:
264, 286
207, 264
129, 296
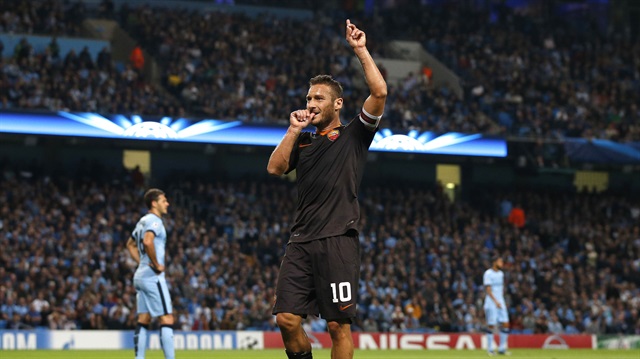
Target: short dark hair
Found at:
335, 86
151, 195
495, 257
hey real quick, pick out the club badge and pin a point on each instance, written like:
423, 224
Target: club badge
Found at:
333, 135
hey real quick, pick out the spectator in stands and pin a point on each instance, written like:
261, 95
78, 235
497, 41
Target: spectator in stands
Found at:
516, 216
554, 325
137, 59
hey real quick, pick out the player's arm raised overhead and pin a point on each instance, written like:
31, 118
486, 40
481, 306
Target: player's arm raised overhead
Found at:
279, 160
374, 105
133, 250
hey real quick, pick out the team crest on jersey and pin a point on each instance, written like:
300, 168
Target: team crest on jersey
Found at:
333, 135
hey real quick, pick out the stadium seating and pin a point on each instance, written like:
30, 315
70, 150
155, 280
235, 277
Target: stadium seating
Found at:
571, 258
522, 76
75, 81
572, 267
536, 74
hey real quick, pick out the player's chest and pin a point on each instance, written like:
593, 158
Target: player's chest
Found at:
323, 148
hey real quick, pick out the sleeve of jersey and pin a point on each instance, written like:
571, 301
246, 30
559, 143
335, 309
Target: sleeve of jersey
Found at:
369, 121
485, 279
293, 158
152, 226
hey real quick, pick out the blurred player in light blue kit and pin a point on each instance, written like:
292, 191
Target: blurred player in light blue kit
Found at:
495, 308
147, 247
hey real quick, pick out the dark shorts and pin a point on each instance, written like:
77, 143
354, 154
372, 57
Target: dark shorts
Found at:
320, 277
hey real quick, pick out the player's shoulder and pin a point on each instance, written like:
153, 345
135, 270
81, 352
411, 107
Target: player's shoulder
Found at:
355, 121
143, 220
147, 218
355, 125
306, 137
151, 220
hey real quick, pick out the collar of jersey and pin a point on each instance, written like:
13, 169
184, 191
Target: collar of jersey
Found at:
323, 133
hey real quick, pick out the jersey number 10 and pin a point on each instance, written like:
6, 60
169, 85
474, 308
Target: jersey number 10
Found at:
342, 290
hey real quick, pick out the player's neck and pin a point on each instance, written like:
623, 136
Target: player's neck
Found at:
323, 129
156, 212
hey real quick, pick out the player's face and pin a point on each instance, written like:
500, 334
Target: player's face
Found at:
499, 263
320, 101
162, 204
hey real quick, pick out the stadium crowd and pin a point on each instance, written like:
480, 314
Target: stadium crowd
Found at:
76, 82
258, 69
556, 75
42, 17
73, 81
571, 262
522, 75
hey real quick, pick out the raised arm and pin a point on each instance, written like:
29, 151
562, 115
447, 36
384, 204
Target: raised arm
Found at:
374, 105
279, 160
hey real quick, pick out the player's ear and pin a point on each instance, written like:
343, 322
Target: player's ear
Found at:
337, 104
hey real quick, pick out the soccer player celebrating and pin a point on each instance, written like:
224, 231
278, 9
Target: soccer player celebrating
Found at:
147, 247
321, 266
495, 308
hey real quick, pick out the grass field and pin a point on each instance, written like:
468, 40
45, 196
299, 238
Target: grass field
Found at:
324, 354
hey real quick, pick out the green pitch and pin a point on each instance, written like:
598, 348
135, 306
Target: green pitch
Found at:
324, 354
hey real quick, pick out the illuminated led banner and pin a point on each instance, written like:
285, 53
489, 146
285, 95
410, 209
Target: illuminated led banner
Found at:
231, 132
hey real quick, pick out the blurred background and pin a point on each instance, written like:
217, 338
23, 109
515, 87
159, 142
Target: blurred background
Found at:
555, 84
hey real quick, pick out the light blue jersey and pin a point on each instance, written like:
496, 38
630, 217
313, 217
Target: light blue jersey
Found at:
495, 280
152, 291
149, 223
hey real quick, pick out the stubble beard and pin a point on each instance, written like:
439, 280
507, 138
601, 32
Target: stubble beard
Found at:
324, 121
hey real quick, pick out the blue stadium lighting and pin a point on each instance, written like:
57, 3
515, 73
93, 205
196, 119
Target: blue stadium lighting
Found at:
166, 121
428, 142
179, 124
426, 137
450, 139
94, 120
207, 126
151, 130
232, 133
122, 121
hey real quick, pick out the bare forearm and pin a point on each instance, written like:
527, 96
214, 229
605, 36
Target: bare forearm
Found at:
279, 160
150, 249
375, 81
133, 250
490, 293
134, 254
